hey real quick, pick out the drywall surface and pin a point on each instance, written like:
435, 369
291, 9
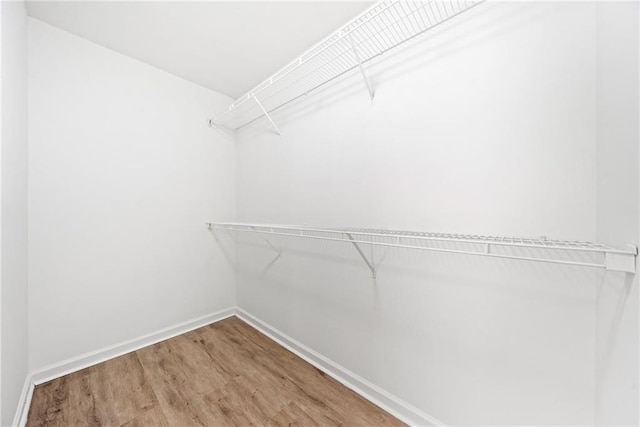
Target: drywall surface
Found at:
488, 126
13, 196
618, 133
124, 172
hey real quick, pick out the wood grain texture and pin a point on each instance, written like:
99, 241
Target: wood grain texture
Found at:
224, 374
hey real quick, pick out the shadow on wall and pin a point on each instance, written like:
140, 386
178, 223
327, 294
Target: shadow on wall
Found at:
435, 45
612, 296
410, 262
226, 239
223, 245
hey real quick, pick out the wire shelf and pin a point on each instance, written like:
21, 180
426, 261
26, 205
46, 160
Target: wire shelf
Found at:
530, 249
380, 28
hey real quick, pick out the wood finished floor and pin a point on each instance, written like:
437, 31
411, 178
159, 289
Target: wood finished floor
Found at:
224, 374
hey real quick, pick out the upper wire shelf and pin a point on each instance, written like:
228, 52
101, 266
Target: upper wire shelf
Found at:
587, 254
378, 29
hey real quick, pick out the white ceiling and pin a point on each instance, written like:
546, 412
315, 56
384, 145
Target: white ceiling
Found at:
228, 46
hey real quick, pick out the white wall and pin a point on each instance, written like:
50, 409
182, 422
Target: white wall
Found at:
13, 262
618, 156
124, 172
487, 127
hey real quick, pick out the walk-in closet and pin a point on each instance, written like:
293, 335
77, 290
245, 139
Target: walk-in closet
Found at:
310, 212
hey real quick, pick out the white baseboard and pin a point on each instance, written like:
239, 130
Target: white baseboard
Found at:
369, 391
24, 403
77, 363
390, 403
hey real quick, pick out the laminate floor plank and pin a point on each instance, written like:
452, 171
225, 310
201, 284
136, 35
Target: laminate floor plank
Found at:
153, 417
224, 374
110, 393
293, 416
299, 379
119, 391
179, 393
50, 404
265, 394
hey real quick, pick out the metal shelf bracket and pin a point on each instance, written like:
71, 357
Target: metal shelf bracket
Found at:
266, 114
361, 67
271, 245
222, 130
364, 257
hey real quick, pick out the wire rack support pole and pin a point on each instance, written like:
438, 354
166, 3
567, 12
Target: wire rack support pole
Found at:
225, 132
361, 67
271, 245
364, 257
266, 114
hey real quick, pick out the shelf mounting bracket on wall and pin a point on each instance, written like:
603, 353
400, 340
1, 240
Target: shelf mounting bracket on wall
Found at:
622, 261
277, 250
222, 130
364, 257
266, 114
361, 67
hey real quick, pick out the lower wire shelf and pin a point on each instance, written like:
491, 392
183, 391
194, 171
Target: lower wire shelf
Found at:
586, 254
